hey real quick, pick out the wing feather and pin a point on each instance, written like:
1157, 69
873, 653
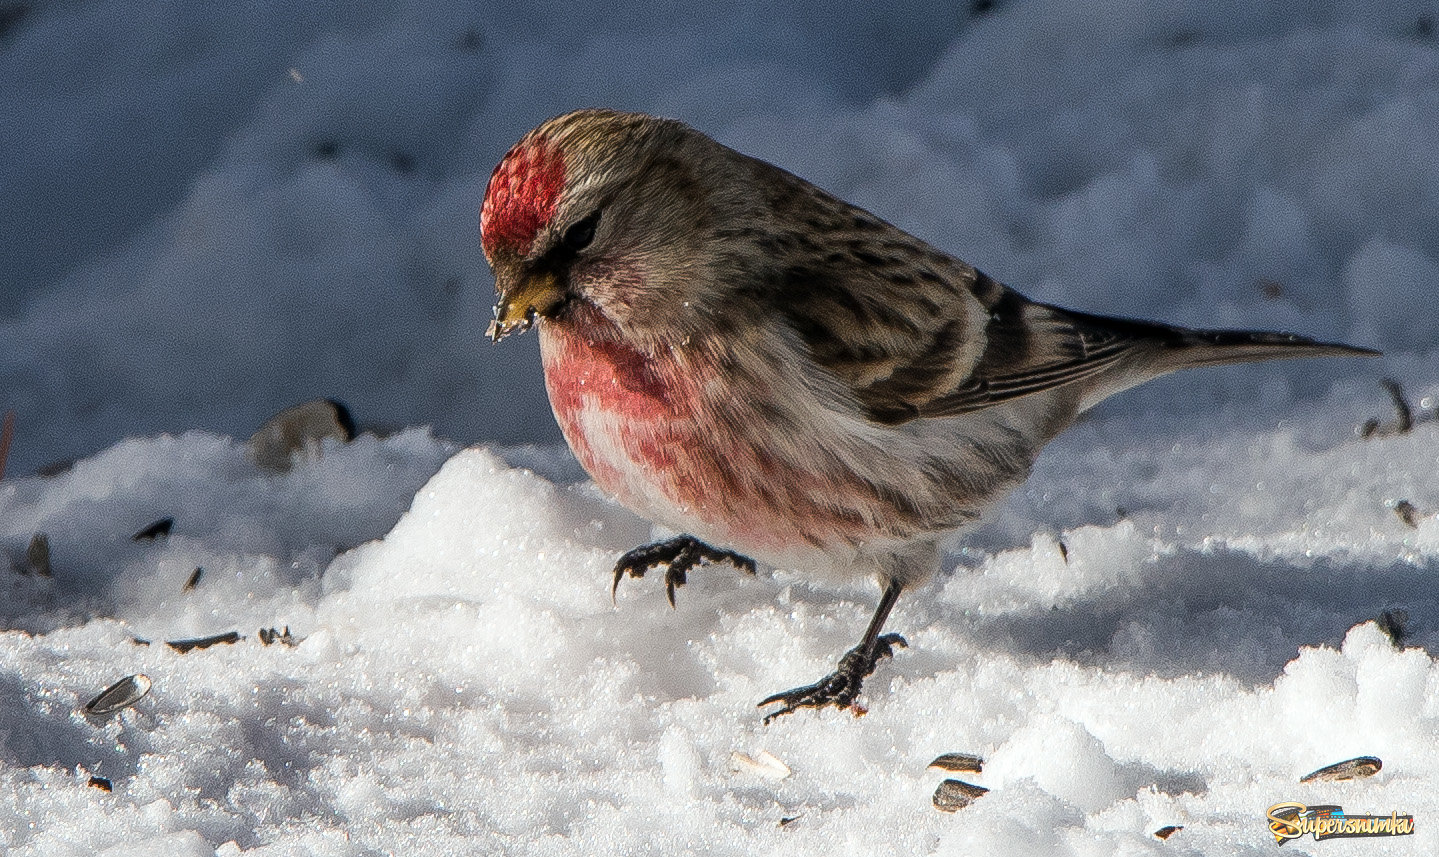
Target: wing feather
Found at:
974, 345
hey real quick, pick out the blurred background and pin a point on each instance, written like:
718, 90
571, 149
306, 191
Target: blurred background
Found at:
214, 211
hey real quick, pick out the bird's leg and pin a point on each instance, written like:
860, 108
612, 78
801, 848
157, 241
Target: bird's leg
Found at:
678, 555
841, 687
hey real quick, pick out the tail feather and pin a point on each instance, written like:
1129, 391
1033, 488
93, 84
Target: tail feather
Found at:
1222, 347
1157, 349
1184, 348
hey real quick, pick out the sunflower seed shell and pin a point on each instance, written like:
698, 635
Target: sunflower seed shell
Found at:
954, 795
1349, 769
122, 694
959, 762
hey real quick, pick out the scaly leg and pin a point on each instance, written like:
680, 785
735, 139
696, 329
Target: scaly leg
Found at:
841, 687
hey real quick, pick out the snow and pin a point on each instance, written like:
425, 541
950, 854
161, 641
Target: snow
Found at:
466, 683
221, 211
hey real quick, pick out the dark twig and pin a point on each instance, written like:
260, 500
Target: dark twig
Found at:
1405, 416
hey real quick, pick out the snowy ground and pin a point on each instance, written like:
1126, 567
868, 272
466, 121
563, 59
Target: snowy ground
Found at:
465, 684
217, 211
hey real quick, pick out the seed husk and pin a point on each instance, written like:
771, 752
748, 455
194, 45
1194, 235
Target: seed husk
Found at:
764, 764
1394, 623
122, 694
1350, 769
954, 795
157, 530
270, 636
966, 762
301, 430
183, 646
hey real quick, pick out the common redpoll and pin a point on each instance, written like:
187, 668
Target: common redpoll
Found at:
739, 356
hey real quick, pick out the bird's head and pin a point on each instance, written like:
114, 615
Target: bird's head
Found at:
609, 211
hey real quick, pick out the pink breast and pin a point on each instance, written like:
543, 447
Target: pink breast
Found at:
594, 380
660, 434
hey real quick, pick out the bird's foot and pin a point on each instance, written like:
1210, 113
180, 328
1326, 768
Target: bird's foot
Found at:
678, 555
841, 687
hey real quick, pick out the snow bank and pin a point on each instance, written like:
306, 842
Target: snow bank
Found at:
466, 683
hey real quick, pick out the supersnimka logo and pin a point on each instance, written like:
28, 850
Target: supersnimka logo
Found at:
1292, 820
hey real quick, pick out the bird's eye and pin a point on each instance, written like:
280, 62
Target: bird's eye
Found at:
581, 233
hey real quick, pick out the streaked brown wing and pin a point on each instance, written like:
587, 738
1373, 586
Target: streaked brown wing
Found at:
1032, 348
929, 336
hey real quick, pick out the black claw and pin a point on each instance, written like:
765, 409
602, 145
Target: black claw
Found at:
678, 555
674, 578
884, 648
841, 687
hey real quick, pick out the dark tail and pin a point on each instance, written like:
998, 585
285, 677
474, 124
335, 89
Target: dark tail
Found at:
1155, 349
1184, 348
1219, 347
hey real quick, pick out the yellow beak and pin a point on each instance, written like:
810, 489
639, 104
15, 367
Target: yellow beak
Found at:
534, 295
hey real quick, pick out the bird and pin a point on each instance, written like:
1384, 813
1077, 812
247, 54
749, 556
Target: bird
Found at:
747, 360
